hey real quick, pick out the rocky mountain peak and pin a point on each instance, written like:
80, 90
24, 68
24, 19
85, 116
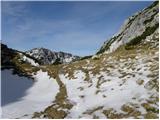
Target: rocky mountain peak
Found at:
47, 56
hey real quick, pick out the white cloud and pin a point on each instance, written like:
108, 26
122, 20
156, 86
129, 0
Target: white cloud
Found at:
13, 8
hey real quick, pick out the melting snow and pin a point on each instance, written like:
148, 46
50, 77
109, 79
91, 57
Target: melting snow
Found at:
37, 98
117, 91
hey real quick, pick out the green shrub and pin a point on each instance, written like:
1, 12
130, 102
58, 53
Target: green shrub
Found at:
57, 62
152, 5
152, 17
86, 57
138, 39
108, 44
95, 57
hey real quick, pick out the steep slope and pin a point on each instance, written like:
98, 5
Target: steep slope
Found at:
49, 57
125, 83
121, 82
10, 56
124, 79
7, 55
135, 29
21, 63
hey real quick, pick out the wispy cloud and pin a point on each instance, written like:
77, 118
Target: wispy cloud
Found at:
13, 9
76, 27
70, 36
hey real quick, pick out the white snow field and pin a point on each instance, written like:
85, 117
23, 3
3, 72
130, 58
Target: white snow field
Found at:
123, 86
37, 97
110, 90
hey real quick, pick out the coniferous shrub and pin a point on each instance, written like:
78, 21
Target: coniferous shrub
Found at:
138, 39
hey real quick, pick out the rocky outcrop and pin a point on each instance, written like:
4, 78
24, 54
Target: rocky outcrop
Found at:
135, 30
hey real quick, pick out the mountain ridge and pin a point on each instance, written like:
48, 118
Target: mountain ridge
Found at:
123, 77
134, 29
47, 56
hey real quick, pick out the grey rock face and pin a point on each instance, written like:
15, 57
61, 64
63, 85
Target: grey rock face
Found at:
49, 57
142, 24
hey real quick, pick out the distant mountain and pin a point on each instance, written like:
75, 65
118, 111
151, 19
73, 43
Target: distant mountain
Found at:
9, 56
47, 56
16, 60
35, 57
136, 29
120, 82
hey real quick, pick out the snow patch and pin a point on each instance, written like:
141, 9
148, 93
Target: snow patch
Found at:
37, 98
68, 60
29, 60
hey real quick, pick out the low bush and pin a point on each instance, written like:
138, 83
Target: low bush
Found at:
138, 39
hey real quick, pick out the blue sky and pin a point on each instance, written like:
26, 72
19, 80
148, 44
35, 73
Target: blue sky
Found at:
79, 28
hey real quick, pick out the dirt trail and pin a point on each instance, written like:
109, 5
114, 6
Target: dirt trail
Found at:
60, 107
